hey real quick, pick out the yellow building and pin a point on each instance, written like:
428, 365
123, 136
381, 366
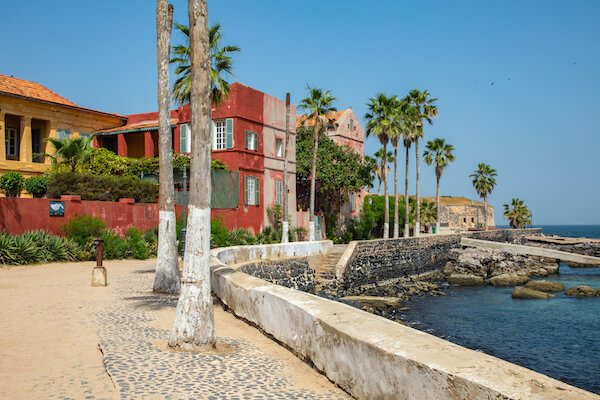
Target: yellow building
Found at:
30, 113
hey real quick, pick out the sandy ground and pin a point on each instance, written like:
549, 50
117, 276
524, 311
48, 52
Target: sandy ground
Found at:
49, 344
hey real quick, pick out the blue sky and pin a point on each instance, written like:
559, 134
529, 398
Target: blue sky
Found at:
517, 81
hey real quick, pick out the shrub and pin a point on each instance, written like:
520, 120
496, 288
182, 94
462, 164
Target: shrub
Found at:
37, 186
102, 188
82, 227
12, 183
35, 247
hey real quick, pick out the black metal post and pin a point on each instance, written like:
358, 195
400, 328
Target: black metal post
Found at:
183, 230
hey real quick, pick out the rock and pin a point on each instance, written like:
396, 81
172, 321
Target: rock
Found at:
375, 301
545, 286
404, 309
521, 292
580, 265
552, 268
583, 291
465, 280
508, 280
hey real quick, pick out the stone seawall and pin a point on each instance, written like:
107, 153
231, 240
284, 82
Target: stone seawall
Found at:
514, 236
383, 262
294, 273
584, 248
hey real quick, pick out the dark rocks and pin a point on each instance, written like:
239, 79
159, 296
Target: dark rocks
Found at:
521, 292
294, 273
583, 291
580, 265
545, 286
508, 280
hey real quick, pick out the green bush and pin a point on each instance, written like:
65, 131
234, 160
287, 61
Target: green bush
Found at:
82, 227
102, 188
37, 186
12, 183
35, 247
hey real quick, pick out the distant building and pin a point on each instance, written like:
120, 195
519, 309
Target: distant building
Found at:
30, 113
343, 128
463, 213
248, 135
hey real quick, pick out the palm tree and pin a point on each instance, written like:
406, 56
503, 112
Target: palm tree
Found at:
372, 169
440, 152
381, 123
73, 153
422, 108
428, 213
484, 182
380, 162
318, 103
194, 326
166, 277
221, 64
519, 215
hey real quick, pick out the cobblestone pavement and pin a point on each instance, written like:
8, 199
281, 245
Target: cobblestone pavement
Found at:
142, 368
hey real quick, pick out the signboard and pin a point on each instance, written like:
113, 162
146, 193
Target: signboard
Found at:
57, 208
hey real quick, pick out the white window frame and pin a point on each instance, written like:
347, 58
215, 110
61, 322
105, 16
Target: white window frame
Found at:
251, 191
251, 140
220, 134
185, 139
279, 193
278, 147
12, 135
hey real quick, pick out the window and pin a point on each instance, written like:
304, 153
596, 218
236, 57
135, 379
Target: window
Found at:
351, 201
251, 191
472, 220
251, 140
12, 142
465, 220
64, 134
222, 134
184, 138
351, 124
278, 147
84, 135
279, 192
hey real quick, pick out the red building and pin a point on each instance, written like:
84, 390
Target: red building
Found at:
248, 135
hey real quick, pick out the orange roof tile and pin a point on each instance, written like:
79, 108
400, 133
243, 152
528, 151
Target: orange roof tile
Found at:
32, 90
303, 121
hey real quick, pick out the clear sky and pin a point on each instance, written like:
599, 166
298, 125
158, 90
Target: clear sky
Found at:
517, 81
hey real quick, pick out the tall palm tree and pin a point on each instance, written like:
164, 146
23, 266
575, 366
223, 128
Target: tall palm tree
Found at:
73, 153
423, 109
440, 152
373, 170
519, 215
484, 182
380, 162
166, 277
318, 104
381, 123
221, 65
194, 325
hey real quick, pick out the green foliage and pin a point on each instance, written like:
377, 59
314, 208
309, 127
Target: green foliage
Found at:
517, 214
102, 188
82, 227
72, 154
35, 247
371, 220
37, 186
220, 236
484, 180
428, 213
275, 214
12, 183
440, 153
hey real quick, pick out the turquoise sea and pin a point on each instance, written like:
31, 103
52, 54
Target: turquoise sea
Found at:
559, 337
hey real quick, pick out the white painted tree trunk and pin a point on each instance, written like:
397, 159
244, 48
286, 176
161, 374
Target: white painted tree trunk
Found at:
418, 200
194, 326
311, 231
396, 228
166, 278
406, 203
285, 232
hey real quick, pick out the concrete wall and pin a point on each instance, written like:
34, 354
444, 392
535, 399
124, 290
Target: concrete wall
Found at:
515, 236
368, 356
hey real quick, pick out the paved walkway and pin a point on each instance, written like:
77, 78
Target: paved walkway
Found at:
54, 325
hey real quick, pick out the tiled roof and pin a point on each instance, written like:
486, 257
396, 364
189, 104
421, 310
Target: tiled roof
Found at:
31, 90
303, 121
135, 127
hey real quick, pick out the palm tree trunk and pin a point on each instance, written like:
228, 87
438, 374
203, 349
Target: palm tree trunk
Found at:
418, 207
285, 224
194, 326
406, 203
484, 213
386, 217
166, 278
379, 186
437, 206
313, 176
396, 229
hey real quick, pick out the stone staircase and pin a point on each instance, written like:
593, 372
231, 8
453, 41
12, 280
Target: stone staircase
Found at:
325, 273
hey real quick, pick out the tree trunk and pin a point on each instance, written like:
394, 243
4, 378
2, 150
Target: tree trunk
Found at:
313, 178
437, 206
396, 228
194, 327
285, 226
386, 217
379, 185
484, 213
418, 200
166, 278
406, 202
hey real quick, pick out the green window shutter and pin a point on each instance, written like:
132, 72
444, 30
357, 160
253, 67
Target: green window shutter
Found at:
256, 191
246, 197
279, 192
247, 139
351, 201
183, 138
229, 133
213, 134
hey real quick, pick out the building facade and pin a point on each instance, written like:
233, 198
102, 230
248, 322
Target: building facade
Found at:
463, 213
248, 136
30, 114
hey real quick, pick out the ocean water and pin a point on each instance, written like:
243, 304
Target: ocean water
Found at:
559, 337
